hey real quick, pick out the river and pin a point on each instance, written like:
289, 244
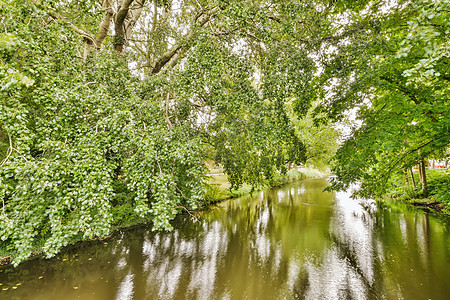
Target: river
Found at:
293, 242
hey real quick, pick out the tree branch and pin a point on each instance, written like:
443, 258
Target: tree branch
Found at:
188, 211
199, 21
167, 111
411, 96
106, 22
81, 32
391, 167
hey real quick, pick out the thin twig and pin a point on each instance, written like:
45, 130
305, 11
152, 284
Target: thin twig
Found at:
160, 170
188, 211
21, 155
167, 111
8, 153
3, 208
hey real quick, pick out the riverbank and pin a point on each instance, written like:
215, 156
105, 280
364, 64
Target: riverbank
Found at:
427, 204
219, 189
437, 198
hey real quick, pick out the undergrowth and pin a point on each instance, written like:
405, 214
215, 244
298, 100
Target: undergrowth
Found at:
438, 186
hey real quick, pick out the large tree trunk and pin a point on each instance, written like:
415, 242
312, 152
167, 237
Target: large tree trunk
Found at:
133, 16
126, 17
119, 24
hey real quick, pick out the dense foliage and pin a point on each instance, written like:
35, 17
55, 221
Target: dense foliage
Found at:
395, 77
79, 132
438, 191
438, 184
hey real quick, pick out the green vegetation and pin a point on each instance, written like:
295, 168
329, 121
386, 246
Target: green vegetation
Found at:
438, 196
103, 123
438, 187
109, 111
219, 188
395, 78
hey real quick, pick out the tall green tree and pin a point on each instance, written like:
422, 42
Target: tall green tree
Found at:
396, 77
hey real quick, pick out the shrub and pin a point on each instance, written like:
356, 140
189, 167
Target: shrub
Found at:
439, 185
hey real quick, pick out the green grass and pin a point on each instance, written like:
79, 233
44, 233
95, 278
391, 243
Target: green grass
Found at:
312, 173
219, 189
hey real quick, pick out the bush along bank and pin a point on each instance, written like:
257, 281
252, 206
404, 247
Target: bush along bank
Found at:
436, 197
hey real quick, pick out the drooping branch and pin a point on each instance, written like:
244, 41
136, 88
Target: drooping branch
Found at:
410, 94
402, 89
387, 174
88, 39
81, 32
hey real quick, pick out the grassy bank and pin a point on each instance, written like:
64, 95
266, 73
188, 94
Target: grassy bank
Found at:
438, 198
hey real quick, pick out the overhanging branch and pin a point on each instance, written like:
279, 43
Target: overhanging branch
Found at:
81, 32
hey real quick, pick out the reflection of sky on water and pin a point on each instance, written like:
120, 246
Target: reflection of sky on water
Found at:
204, 272
196, 267
168, 258
262, 243
281, 195
126, 288
334, 279
347, 266
202, 266
197, 261
289, 243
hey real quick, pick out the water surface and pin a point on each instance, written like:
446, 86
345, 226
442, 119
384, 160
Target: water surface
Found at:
295, 242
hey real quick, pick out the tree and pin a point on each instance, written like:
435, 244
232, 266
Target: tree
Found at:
399, 87
320, 140
80, 138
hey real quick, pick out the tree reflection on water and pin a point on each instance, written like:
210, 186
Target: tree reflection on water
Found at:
295, 242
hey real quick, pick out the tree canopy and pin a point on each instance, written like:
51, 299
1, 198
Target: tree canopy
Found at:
399, 84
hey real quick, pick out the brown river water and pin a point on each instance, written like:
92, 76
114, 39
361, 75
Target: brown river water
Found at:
293, 242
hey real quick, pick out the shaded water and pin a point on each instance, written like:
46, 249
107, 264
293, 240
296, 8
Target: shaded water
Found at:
295, 242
